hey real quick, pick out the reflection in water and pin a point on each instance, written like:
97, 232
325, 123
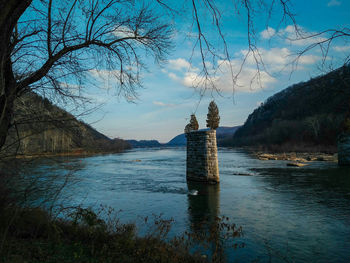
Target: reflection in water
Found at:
210, 234
42, 186
330, 188
303, 213
205, 205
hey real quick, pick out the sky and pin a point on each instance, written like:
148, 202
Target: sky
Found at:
167, 99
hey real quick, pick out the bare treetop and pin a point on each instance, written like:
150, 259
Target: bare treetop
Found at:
193, 125
52, 45
58, 42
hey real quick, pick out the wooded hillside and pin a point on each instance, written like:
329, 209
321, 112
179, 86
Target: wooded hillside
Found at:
43, 128
306, 115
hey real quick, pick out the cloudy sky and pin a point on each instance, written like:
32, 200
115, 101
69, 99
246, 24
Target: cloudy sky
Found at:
168, 98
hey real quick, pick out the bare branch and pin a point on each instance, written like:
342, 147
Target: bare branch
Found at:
49, 25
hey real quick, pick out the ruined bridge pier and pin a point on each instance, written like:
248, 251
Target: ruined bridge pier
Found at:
202, 157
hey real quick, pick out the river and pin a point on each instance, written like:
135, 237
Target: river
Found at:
292, 214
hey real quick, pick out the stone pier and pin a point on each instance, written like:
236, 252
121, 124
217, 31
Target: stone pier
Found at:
202, 157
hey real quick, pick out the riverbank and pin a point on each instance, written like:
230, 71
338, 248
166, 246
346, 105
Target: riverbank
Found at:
250, 192
297, 157
75, 153
77, 234
32, 235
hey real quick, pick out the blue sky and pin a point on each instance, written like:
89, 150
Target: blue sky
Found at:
167, 100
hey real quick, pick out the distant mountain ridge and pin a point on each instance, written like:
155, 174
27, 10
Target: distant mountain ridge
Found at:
144, 143
43, 128
221, 134
180, 140
306, 114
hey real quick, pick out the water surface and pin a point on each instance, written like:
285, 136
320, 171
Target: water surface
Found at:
298, 213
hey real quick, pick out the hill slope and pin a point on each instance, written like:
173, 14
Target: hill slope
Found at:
222, 133
308, 114
144, 143
43, 128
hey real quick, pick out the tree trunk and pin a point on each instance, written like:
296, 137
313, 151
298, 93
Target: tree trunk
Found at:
7, 97
10, 12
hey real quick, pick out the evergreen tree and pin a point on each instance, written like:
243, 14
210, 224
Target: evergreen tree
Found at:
213, 117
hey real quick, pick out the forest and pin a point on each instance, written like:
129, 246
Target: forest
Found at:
307, 116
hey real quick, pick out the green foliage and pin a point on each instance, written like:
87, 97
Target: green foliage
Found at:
213, 117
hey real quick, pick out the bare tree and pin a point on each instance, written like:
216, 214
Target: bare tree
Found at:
51, 45
193, 125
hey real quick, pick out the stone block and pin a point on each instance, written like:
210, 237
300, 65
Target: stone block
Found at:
201, 161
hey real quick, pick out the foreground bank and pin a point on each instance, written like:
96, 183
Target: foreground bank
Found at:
32, 235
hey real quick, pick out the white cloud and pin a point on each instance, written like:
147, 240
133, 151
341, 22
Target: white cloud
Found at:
279, 59
123, 31
179, 64
307, 59
99, 98
268, 33
293, 35
246, 81
70, 86
334, 3
104, 74
341, 48
298, 36
173, 76
162, 104
105, 79
276, 60
249, 80
191, 79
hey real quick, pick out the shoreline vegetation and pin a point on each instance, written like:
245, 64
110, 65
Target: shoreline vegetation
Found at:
35, 235
32, 235
75, 153
263, 154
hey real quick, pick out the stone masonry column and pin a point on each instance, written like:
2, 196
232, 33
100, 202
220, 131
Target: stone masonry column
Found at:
202, 157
